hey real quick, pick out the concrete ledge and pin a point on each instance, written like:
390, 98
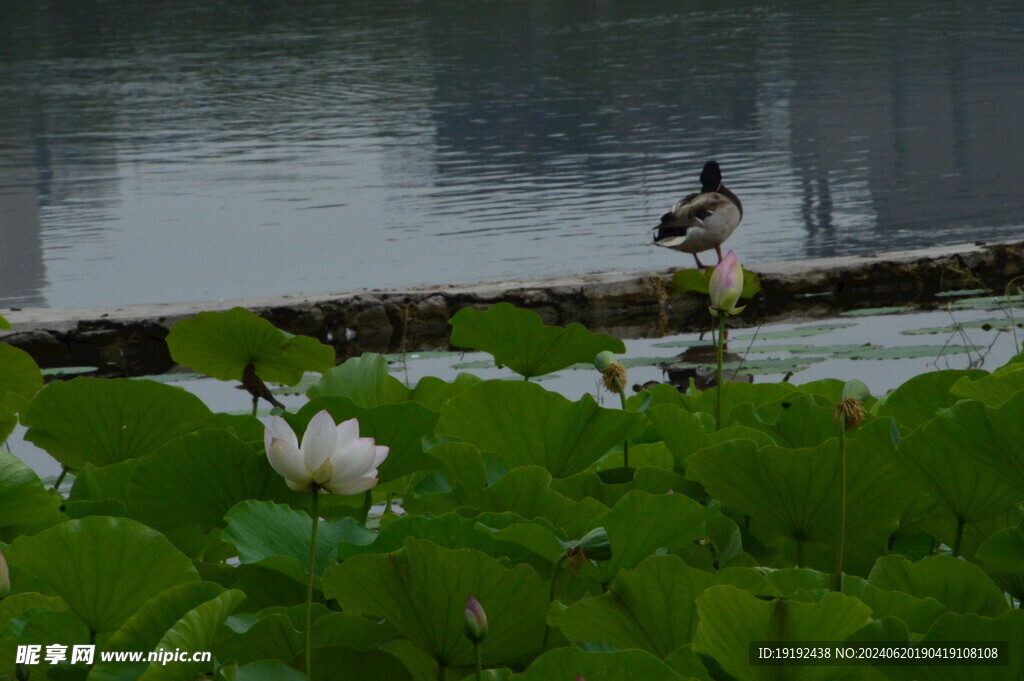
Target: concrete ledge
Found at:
129, 340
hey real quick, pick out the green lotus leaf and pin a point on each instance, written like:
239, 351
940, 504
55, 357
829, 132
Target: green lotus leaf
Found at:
193, 481
16, 605
683, 432
1003, 551
918, 400
794, 493
918, 614
518, 339
989, 302
537, 536
103, 421
529, 426
623, 665
449, 530
432, 392
106, 483
421, 590
263, 670
797, 421
263, 586
19, 373
649, 607
277, 536
960, 586
354, 631
940, 458
364, 380
984, 324
993, 389
222, 344
193, 632
1005, 456
984, 630
642, 523
118, 564
148, 625
730, 618
4, 324
24, 500
401, 427
271, 636
42, 628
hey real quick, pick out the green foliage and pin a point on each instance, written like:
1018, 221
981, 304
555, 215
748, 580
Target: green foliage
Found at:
518, 339
222, 344
177, 533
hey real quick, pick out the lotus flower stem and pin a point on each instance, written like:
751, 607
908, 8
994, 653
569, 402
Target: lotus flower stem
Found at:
719, 359
60, 478
479, 662
255, 405
367, 504
551, 599
841, 537
622, 400
309, 582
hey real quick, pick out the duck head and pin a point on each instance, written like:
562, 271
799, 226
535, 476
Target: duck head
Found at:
710, 177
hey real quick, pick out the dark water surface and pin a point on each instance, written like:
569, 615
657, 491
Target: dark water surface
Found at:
163, 151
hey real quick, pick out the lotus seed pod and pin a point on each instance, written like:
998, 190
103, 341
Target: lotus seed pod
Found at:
604, 360
853, 411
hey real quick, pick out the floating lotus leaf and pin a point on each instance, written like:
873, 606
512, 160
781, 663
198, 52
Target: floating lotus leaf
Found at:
958, 585
905, 351
918, 400
422, 590
876, 311
698, 281
364, 380
989, 302
118, 564
730, 618
399, 426
24, 500
222, 344
277, 536
518, 339
798, 332
527, 425
103, 421
573, 663
983, 324
940, 458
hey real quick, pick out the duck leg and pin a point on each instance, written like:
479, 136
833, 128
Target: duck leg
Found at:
700, 265
718, 250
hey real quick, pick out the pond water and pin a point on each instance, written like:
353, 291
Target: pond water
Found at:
884, 348
196, 150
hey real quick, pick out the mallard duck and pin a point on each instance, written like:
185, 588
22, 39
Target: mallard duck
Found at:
702, 220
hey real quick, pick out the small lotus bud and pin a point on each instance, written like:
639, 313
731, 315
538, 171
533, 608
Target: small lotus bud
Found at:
5, 576
726, 286
475, 620
852, 411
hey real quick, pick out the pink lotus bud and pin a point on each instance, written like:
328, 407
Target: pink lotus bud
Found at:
475, 620
726, 285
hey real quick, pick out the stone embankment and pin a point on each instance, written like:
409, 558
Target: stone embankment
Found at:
129, 340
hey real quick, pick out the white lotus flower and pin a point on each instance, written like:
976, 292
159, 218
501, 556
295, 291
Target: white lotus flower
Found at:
331, 457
